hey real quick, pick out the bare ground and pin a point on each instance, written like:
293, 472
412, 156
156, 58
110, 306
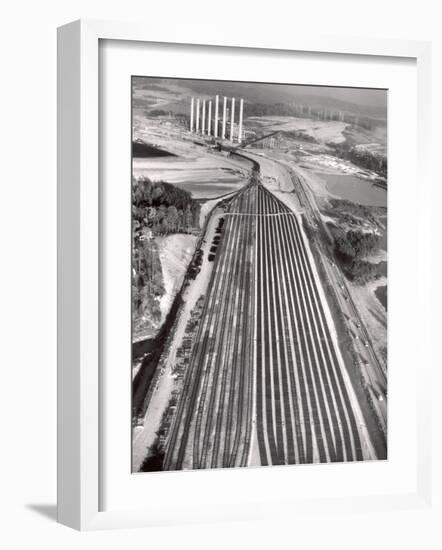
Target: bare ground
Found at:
175, 252
373, 313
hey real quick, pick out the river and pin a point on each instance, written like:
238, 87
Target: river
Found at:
355, 189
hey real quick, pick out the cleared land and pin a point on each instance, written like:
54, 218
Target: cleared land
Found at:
321, 131
175, 253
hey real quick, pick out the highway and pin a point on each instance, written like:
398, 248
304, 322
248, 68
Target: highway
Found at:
265, 366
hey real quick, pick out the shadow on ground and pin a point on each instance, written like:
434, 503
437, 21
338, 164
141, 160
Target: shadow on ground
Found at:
49, 511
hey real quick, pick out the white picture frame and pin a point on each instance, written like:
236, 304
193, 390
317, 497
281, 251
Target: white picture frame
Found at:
79, 448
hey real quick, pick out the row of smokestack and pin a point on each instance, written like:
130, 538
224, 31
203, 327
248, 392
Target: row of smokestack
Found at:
201, 118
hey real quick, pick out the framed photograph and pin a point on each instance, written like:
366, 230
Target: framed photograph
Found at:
234, 253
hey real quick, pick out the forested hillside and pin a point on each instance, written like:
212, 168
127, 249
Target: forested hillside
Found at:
351, 248
157, 209
163, 208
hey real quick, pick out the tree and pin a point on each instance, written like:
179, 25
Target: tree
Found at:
157, 192
188, 218
172, 217
165, 226
154, 201
344, 250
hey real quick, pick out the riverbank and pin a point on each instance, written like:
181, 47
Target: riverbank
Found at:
354, 189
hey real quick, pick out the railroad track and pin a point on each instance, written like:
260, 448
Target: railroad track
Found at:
243, 367
191, 383
201, 417
324, 402
219, 322
264, 353
226, 338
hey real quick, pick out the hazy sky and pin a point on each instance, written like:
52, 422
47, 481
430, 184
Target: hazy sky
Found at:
360, 96
372, 102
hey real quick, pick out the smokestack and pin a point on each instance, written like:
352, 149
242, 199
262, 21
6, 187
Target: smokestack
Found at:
203, 118
232, 118
191, 114
223, 133
241, 108
209, 119
216, 116
197, 126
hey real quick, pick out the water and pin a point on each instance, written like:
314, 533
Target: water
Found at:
142, 347
145, 150
355, 189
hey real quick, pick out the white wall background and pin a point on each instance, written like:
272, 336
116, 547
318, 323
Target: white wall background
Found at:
28, 270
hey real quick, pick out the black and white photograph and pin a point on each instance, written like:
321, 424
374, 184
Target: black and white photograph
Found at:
258, 274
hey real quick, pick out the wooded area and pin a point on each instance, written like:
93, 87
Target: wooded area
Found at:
158, 208
163, 208
363, 158
350, 249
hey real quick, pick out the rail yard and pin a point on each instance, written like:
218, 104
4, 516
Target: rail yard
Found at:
265, 368
272, 355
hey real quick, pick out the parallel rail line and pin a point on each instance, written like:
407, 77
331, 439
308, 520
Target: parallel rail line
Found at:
264, 359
